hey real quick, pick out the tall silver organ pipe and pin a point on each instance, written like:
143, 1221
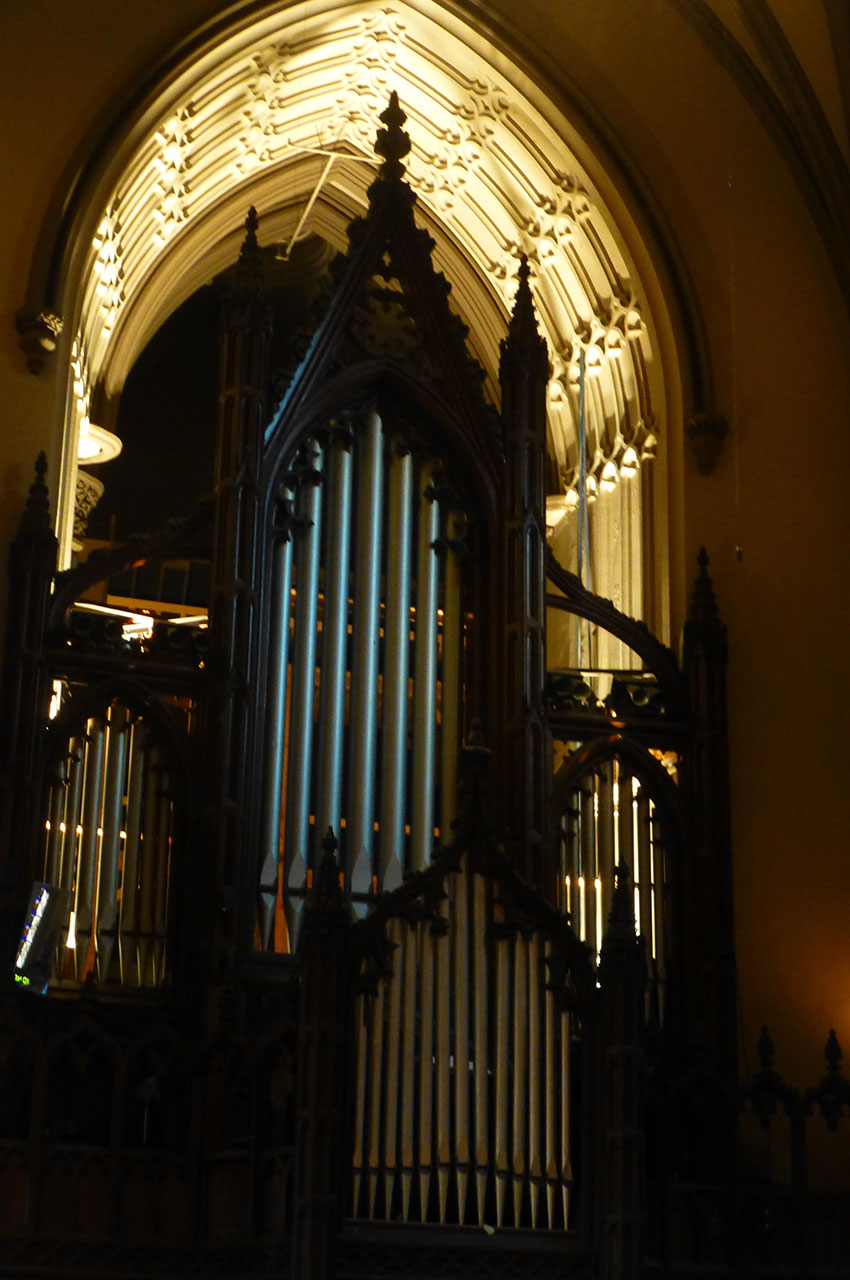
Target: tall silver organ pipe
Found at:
87, 868
364, 672
334, 637
111, 823
425, 680
275, 727
450, 680
394, 708
303, 689
129, 935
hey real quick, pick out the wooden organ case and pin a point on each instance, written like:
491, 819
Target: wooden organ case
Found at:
355, 986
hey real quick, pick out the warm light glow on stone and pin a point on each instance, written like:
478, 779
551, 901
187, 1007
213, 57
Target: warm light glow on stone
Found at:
253, 120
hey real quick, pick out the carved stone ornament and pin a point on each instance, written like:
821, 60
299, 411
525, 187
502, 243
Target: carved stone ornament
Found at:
38, 333
89, 492
705, 433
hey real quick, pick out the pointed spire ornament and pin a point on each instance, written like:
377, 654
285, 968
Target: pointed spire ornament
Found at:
35, 541
250, 244
392, 143
703, 608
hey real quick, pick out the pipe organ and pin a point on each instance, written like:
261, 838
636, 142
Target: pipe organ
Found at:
461, 1104
366, 643
108, 842
610, 819
415, 938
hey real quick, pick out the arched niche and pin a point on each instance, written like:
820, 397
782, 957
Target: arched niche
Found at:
277, 106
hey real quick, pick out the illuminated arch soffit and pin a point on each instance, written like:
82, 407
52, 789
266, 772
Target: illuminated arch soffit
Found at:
285, 111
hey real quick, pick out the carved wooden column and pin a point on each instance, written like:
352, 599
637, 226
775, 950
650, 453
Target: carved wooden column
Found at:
707, 894
324, 1011
524, 374
26, 694
620, 1088
246, 331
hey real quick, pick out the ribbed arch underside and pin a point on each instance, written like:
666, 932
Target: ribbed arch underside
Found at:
285, 109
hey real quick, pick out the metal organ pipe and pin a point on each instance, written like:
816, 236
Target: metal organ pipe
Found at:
366, 646
76, 771
450, 699
334, 637
53, 859
605, 832
163, 857
275, 727
425, 681
480, 1005
87, 869
113, 797
129, 937
395, 692
461, 1048
303, 690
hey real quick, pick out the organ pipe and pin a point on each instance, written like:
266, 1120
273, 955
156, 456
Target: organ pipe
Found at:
396, 647
334, 637
376, 1060
391, 1074
129, 956
442, 1100
275, 733
148, 869
606, 836
552, 1099
643, 873
460, 983
480, 1005
409, 1025
76, 771
425, 681
427, 943
535, 1073
87, 870
519, 1165
450, 700
163, 854
364, 674
502, 1002
303, 689
113, 798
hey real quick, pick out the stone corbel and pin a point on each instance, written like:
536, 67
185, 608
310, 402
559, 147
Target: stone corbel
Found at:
704, 434
38, 333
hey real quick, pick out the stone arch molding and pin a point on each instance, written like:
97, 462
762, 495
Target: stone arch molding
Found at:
281, 111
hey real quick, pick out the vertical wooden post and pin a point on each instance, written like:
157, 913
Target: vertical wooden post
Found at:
707, 896
246, 331
324, 1012
26, 694
524, 374
622, 976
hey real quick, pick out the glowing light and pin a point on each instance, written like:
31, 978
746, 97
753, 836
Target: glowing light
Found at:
71, 942
96, 444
